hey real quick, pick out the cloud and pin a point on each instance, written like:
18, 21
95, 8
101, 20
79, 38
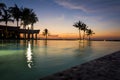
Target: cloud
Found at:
69, 4
93, 6
102, 10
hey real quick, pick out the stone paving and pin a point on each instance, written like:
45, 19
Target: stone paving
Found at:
105, 68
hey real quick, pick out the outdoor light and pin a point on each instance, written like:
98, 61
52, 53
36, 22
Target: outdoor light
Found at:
29, 26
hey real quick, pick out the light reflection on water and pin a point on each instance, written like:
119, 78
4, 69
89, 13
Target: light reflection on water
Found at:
29, 55
35, 59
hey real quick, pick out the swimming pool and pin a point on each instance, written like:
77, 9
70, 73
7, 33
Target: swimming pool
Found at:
32, 60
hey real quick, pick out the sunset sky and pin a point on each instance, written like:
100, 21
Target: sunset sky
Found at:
58, 16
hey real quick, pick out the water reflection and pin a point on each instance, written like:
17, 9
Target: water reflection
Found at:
45, 43
84, 47
29, 55
89, 43
45, 47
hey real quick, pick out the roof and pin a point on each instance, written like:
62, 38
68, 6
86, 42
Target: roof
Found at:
17, 29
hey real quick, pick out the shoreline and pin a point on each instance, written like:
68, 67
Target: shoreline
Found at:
104, 68
55, 39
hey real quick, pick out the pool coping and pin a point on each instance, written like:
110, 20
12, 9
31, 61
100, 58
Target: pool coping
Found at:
104, 68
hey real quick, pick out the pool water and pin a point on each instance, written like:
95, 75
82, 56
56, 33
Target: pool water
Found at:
32, 60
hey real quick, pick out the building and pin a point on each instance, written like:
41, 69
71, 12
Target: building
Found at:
13, 32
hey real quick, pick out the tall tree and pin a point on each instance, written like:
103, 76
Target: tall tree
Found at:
2, 6
33, 19
84, 28
89, 33
16, 13
45, 33
79, 26
25, 18
6, 17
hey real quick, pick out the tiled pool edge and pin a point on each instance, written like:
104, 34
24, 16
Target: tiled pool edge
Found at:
104, 68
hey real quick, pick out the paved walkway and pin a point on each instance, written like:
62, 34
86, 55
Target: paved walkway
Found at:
105, 68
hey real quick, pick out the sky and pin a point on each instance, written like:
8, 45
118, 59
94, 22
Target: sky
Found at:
58, 16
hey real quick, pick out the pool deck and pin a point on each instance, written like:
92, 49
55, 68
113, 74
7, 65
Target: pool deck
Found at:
104, 68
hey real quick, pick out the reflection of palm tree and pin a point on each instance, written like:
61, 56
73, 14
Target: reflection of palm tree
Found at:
45, 46
45, 33
89, 43
89, 33
79, 26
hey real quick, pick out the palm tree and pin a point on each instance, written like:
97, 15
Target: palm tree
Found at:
28, 17
89, 33
33, 19
2, 6
25, 18
6, 17
45, 33
79, 26
84, 28
16, 13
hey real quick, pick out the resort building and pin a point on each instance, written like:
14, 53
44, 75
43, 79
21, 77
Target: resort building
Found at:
13, 32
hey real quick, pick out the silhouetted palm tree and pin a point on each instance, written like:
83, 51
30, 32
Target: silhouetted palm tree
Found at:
2, 6
79, 26
45, 33
33, 19
6, 17
89, 33
84, 28
25, 18
16, 13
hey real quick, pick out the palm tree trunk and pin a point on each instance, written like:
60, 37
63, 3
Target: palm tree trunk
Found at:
25, 31
6, 30
18, 34
32, 30
17, 23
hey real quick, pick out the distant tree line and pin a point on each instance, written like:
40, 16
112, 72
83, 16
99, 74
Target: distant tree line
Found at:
83, 27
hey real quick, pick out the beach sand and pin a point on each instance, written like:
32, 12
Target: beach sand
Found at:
104, 68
